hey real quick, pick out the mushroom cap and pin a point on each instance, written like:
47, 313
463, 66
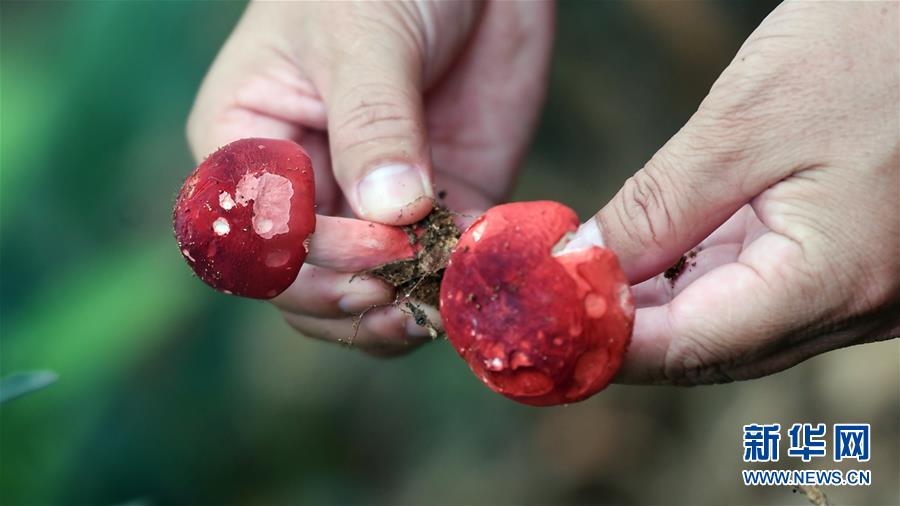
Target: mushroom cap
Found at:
243, 217
538, 327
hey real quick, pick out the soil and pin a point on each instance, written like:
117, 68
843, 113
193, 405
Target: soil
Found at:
686, 260
673, 272
418, 280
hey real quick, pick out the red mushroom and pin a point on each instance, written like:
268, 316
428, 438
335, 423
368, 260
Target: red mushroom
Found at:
536, 324
243, 217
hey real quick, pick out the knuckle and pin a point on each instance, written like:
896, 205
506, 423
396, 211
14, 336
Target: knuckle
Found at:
312, 327
374, 113
644, 209
736, 115
378, 29
874, 291
695, 357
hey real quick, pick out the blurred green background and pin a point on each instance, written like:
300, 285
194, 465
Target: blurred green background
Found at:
170, 393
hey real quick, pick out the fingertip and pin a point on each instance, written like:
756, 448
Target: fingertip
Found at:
392, 323
587, 235
645, 359
395, 194
324, 293
349, 245
427, 329
464, 219
362, 293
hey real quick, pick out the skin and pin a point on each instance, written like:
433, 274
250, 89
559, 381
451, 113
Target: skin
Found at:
786, 176
451, 90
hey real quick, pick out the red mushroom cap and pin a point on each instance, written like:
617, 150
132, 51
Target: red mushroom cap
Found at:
538, 327
244, 215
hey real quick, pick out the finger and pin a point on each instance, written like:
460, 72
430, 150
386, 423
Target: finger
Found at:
248, 92
645, 358
207, 132
349, 245
377, 129
325, 293
383, 331
328, 195
662, 288
720, 160
723, 323
483, 111
733, 231
280, 93
399, 322
466, 201
797, 290
241, 93
721, 247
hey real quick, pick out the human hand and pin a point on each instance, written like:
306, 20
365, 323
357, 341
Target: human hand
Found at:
785, 184
391, 100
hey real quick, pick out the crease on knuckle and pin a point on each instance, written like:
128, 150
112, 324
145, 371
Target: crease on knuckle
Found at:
645, 212
694, 358
385, 117
363, 32
695, 362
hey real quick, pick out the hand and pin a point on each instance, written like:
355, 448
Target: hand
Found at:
784, 185
393, 101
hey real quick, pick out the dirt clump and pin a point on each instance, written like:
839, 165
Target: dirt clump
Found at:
418, 279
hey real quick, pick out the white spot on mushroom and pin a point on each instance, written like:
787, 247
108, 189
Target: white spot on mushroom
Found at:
560, 247
187, 254
478, 230
263, 226
246, 189
495, 364
587, 235
595, 305
225, 201
221, 226
271, 195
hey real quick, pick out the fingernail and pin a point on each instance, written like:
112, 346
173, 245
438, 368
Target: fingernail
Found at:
387, 190
413, 329
587, 235
363, 294
433, 317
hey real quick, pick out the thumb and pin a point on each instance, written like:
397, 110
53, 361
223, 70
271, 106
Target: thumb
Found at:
694, 183
377, 132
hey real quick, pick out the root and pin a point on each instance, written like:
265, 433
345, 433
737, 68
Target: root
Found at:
419, 278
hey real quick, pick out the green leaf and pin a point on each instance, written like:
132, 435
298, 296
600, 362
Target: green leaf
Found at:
20, 383
92, 326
